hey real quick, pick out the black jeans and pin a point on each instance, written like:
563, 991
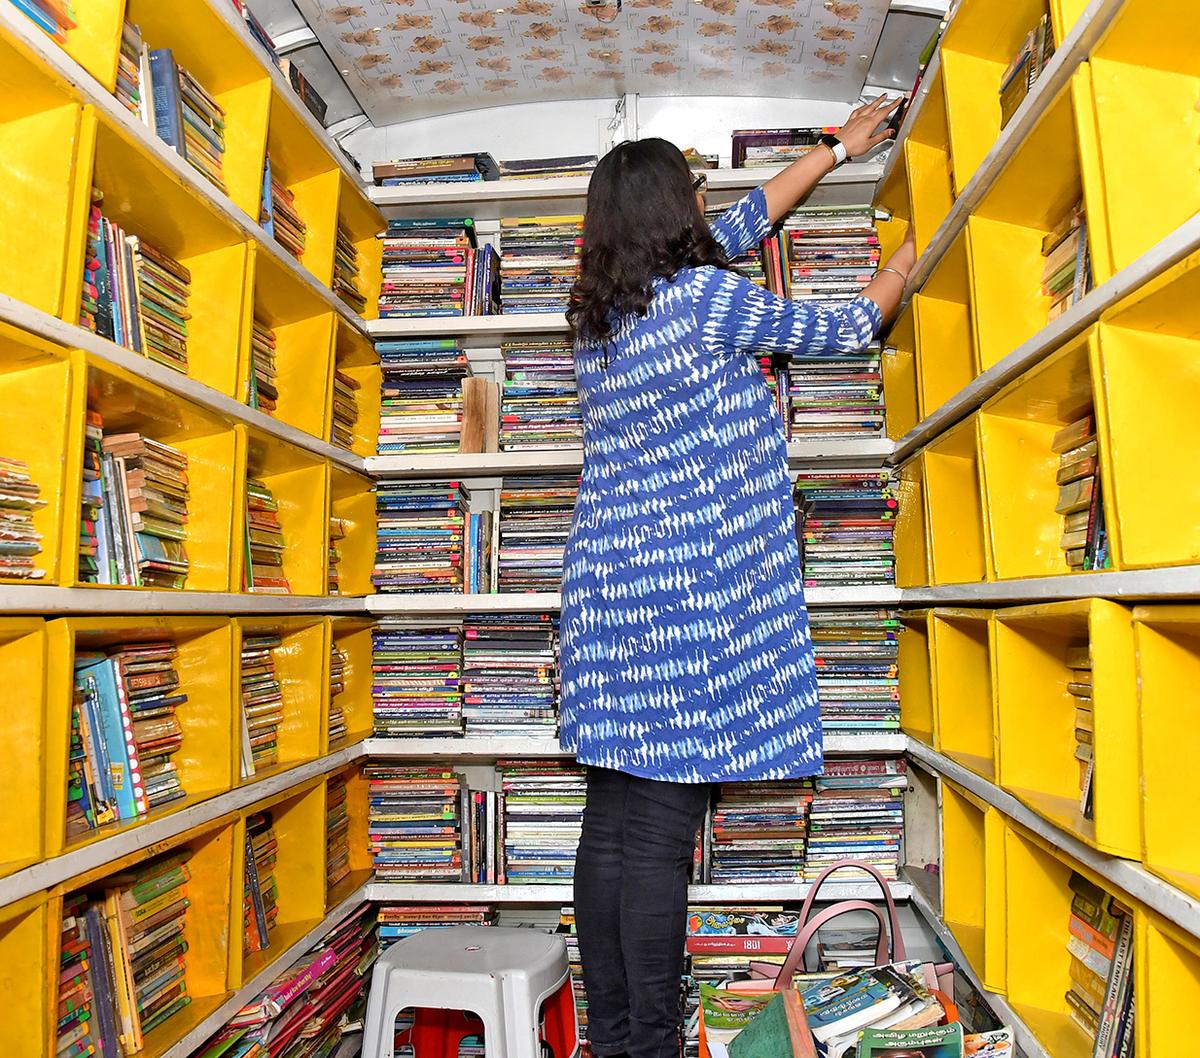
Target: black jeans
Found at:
631, 876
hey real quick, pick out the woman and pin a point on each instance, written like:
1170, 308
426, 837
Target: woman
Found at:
686, 658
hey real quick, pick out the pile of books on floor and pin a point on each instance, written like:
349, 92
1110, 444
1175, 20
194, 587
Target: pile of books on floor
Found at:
834, 396
539, 404
543, 814
1025, 68
846, 520
279, 216
759, 148
337, 685
434, 267
129, 89
127, 690
135, 510
724, 942
345, 408
133, 293
54, 17
264, 391
535, 519
1100, 998
420, 539
398, 921
1079, 687
415, 825
1067, 271
346, 269
539, 262
510, 675
857, 814
308, 1010
264, 572
337, 832
421, 396
260, 896
822, 253
261, 702
568, 165
417, 678
1084, 540
20, 542
123, 965
757, 832
464, 168
857, 660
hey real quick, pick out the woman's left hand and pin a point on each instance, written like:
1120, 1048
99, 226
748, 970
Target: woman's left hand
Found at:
858, 135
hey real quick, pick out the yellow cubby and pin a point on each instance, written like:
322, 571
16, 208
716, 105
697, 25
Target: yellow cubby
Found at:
27, 981
352, 499
1168, 662
206, 665
46, 143
1020, 488
300, 163
298, 819
209, 925
1147, 355
42, 390
1145, 80
299, 481
911, 537
352, 635
23, 719
1039, 186
215, 454
355, 356
946, 359
95, 42
364, 223
916, 688
953, 504
960, 641
1166, 972
900, 376
965, 871
147, 200
361, 865
927, 163
304, 326
1036, 713
892, 196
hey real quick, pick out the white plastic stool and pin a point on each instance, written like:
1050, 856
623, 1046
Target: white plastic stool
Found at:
503, 976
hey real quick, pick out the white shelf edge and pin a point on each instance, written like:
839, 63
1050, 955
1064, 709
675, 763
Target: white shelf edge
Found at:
52, 601
1172, 582
1131, 877
495, 327
199, 1033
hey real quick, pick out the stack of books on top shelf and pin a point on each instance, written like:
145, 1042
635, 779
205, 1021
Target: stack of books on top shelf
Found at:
416, 684
1025, 68
133, 293
434, 267
186, 117
125, 730
130, 86
823, 253
279, 216
535, 519
1067, 273
264, 390
510, 675
834, 396
260, 900
20, 542
543, 815
345, 409
846, 520
261, 703
414, 829
539, 262
263, 566
857, 814
337, 832
539, 404
1102, 952
398, 921
436, 169
420, 541
421, 395
529, 168
1079, 687
1080, 502
54, 17
759, 148
346, 268
757, 833
857, 654
338, 662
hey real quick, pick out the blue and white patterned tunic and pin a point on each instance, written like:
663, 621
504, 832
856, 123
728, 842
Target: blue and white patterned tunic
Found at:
685, 646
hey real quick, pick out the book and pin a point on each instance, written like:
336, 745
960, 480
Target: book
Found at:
20, 539
263, 385
168, 102
301, 85
943, 1041
765, 147
262, 702
346, 269
55, 18
539, 262
129, 87
474, 166
425, 267
286, 223
263, 565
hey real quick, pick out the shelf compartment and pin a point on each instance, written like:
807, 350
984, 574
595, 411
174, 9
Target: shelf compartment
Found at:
352, 500
23, 720
355, 355
1145, 80
364, 223
352, 635
30, 988
900, 376
911, 538
1036, 718
892, 195
1168, 663
927, 163
361, 869
917, 719
946, 356
206, 760
965, 872
1167, 982
960, 640
954, 507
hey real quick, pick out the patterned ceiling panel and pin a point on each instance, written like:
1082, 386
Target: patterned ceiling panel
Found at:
406, 59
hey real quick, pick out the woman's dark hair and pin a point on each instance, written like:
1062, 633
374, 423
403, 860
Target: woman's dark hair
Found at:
642, 221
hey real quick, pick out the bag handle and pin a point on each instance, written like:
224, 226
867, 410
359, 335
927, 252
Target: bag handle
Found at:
795, 957
896, 946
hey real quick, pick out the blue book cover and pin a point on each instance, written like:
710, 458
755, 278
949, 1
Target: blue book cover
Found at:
168, 108
105, 675
39, 17
103, 805
267, 212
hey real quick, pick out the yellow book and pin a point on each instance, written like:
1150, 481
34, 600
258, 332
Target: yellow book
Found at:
124, 989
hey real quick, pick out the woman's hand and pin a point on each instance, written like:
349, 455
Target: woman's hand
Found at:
858, 135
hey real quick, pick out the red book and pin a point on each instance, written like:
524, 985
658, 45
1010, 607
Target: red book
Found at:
727, 944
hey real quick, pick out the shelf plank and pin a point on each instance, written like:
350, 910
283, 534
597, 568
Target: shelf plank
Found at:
473, 330
1177, 582
51, 601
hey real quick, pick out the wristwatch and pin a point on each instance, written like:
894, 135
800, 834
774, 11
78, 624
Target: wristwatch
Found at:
837, 146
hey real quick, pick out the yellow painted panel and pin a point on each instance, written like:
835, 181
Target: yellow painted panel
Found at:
929, 178
962, 682
953, 504
23, 671
946, 356
370, 263
972, 110
1063, 16
353, 501
95, 42
356, 357
316, 201
219, 304
893, 196
911, 536
1166, 983
246, 114
26, 933
1091, 174
916, 695
79, 208
995, 904
304, 365
900, 376
353, 638
964, 872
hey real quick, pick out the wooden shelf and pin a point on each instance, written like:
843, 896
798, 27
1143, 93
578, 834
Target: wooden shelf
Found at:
473, 330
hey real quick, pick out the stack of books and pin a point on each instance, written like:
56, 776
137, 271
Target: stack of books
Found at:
337, 532
1025, 68
436, 169
543, 814
337, 832
535, 519
857, 654
345, 409
260, 897
857, 814
20, 542
186, 117
480, 814
846, 520
346, 268
539, 404
426, 264
1101, 944
281, 218
1080, 503
133, 293
79, 1030
264, 390
54, 17
757, 832
416, 684
414, 825
257, 30
510, 675
124, 733
91, 505
759, 148
264, 570
539, 262
568, 165
129, 70
398, 921
262, 703
1067, 272
566, 927
1079, 687
479, 568
724, 941
823, 253
420, 538
834, 396
421, 397
338, 662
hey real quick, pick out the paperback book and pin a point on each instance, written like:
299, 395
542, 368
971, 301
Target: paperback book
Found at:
20, 541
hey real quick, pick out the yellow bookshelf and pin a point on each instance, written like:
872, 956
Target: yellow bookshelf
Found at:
900, 376
29, 986
953, 507
353, 501
917, 719
355, 356
23, 719
95, 42
1166, 982
352, 635
960, 642
363, 223
927, 163
965, 871
945, 343
361, 869
1036, 717
911, 537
